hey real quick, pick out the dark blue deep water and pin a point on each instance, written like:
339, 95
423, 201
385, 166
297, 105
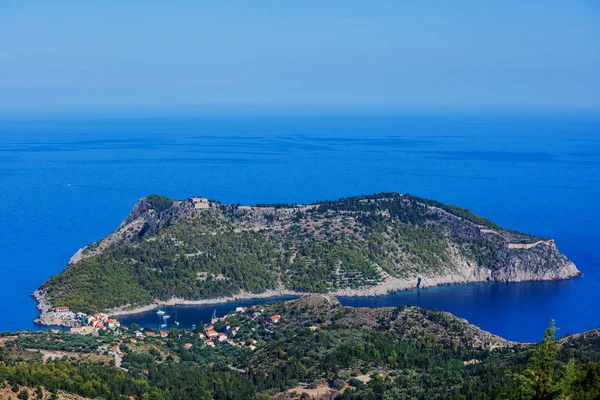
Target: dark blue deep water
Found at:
66, 183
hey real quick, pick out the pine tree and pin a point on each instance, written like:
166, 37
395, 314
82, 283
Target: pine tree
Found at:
542, 379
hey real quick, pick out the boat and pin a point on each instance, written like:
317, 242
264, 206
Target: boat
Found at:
163, 325
160, 311
176, 322
166, 317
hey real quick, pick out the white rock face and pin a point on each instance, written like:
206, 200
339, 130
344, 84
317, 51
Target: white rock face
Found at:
462, 271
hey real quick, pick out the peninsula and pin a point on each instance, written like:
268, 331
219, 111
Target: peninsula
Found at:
200, 250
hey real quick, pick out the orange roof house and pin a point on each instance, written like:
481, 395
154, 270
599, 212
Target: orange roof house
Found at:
187, 346
275, 318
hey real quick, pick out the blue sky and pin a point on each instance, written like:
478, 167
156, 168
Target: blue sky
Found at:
115, 54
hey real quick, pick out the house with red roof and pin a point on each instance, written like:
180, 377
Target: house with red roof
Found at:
212, 334
274, 318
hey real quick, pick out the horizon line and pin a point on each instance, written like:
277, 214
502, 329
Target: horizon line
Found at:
279, 109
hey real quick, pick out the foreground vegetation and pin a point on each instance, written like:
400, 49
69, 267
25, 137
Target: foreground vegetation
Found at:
406, 352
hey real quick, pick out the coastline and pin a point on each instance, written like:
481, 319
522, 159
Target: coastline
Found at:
388, 286
125, 310
44, 319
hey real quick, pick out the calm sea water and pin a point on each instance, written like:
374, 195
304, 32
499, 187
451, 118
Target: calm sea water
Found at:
66, 183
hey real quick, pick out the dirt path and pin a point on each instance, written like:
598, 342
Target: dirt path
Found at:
118, 361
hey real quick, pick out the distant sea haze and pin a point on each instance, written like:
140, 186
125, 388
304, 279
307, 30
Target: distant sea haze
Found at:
66, 183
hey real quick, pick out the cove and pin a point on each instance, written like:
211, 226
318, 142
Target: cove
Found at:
510, 310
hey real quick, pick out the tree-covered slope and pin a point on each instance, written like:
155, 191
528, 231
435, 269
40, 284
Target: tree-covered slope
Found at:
318, 344
200, 249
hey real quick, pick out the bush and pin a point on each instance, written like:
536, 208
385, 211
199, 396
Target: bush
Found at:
159, 203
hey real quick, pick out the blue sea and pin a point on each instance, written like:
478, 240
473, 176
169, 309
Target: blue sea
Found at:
66, 182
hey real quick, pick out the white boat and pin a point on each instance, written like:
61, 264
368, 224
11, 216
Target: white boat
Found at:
165, 317
161, 312
177, 323
163, 325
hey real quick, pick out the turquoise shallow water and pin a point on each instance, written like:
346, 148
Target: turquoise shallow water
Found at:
65, 183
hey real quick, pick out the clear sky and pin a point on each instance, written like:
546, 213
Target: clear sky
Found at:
72, 54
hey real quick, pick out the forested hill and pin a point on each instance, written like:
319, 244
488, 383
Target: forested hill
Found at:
311, 347
202, 249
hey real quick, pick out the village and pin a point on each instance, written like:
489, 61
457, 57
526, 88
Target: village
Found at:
242, 328
85, 324
237, 329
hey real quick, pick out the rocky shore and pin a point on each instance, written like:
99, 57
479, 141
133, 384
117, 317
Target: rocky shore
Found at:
465, 275
129, 309
45, 318
464, 272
